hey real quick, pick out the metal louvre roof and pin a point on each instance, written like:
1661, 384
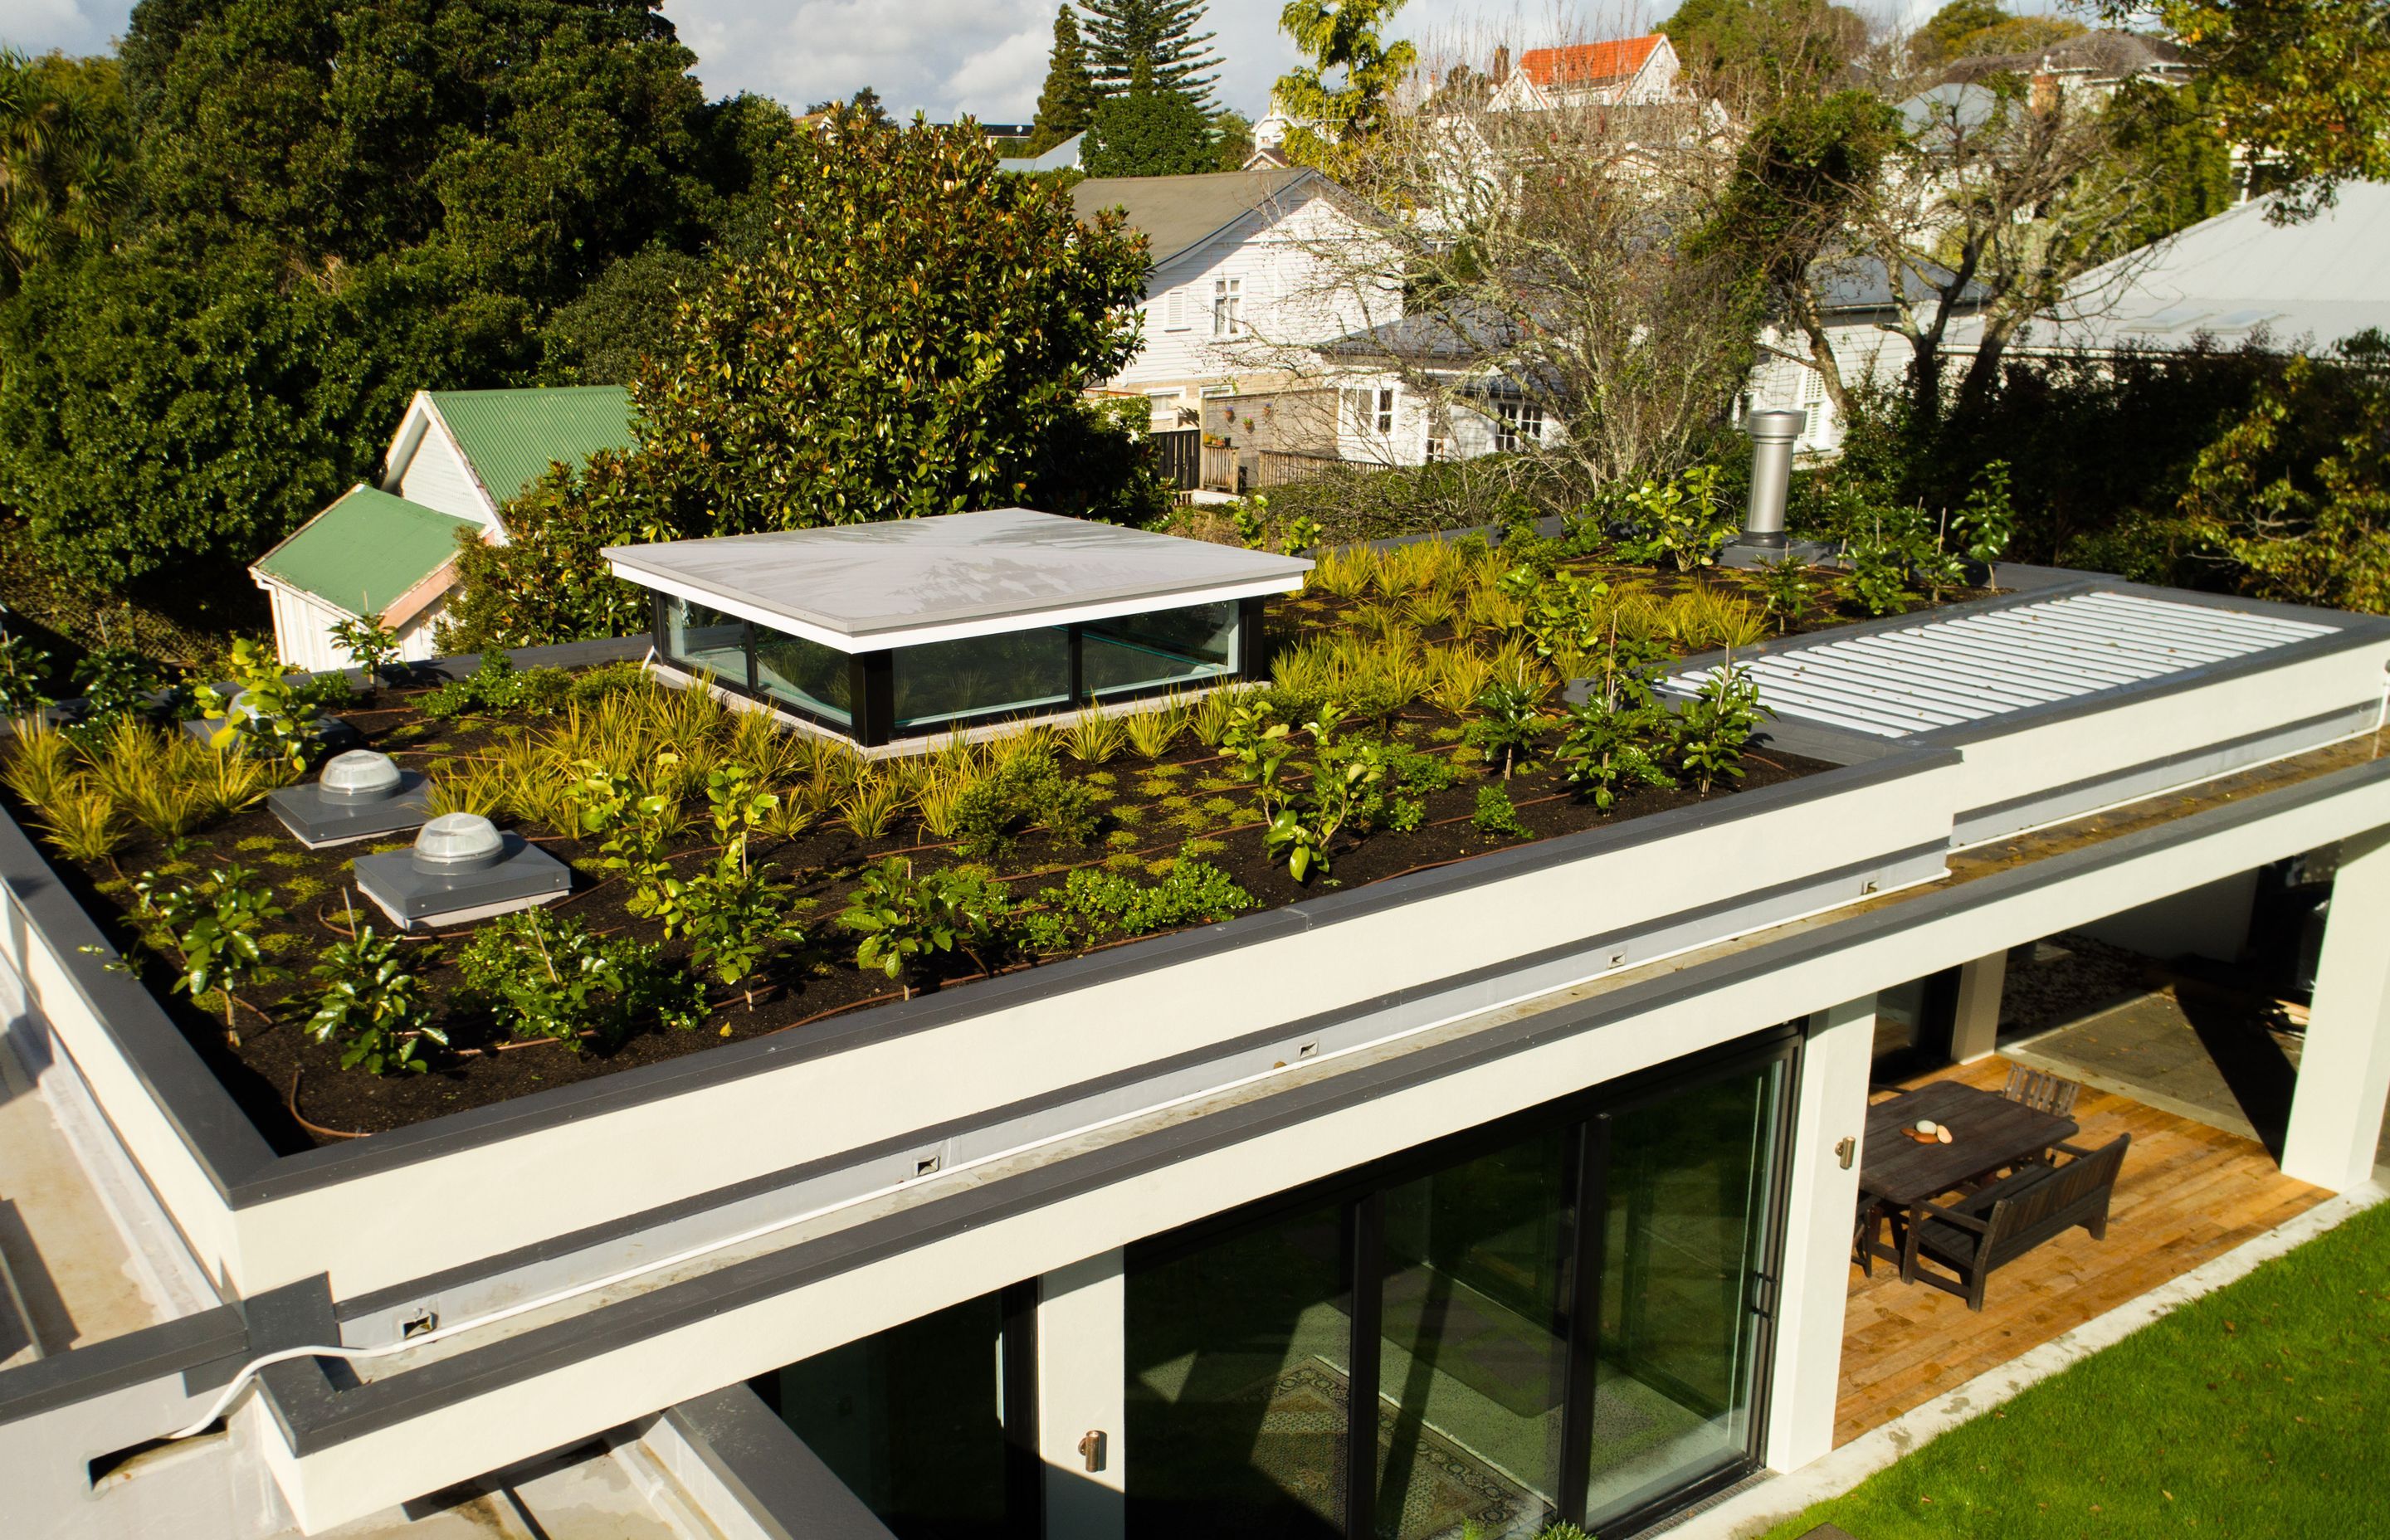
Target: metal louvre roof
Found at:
1946, 673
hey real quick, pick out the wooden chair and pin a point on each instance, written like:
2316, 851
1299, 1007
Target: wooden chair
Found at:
1998, 1224
2041, 1091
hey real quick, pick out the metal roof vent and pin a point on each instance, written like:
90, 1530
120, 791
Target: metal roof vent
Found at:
360, 795
359, 776
461, 867
458, 842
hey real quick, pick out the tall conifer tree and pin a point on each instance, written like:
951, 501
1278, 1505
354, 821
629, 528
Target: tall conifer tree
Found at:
1158, 33
1067, 103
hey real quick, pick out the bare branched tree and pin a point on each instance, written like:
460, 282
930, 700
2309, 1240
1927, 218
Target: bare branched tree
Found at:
1547, 285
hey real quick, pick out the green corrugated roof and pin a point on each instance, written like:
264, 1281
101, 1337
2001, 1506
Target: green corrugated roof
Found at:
510, 436
366, 549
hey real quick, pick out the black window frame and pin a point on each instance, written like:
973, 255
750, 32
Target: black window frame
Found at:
1587, 1111
871, 684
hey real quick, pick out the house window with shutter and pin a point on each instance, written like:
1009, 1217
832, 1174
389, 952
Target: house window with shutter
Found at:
1174, 310
1385, 412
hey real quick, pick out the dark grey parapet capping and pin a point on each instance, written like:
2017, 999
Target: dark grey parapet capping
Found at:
782, 1484
180, 1346
325, 1165
331, 1417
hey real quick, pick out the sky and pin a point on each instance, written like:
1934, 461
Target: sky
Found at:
986, 57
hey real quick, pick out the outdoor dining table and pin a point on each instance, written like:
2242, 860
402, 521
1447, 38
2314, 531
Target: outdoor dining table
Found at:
1987, 1131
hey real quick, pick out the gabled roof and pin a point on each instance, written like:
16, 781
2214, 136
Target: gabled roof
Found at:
366, 552
509, 437
1178, 214
2104, 54
1588, 64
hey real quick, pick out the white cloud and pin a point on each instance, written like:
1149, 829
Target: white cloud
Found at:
72, 26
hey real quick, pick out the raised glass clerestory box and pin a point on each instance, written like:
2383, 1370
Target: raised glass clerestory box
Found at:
360, 794
463, 869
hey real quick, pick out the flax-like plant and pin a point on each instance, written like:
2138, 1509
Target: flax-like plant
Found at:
1151, 734
1430, 607
1701, 617
469, 786
1344, 574
43, 768
1093, 738
227, 783
1211, 713
875, 802
83, 825
940, 798
1461, 676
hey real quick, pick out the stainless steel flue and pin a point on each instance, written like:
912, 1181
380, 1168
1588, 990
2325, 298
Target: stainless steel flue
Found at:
1772, 436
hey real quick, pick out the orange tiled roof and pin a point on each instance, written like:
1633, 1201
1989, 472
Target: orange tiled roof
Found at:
1587, 63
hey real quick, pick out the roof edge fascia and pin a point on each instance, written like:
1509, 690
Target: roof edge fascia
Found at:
851, 643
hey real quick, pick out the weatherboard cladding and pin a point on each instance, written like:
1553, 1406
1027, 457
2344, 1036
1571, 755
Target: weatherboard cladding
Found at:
1946, 673
364, 551
510, 437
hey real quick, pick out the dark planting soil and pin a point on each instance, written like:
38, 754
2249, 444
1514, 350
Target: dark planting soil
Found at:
299, 1096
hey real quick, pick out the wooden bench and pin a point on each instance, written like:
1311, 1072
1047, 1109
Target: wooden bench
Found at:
1997, 1224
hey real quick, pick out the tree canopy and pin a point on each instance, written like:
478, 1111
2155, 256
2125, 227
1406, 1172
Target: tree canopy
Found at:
1764, 48
1337, 96
2304, 84
339, 202
931, 359
1158, 36
66, 147
1147, 130
1067, 104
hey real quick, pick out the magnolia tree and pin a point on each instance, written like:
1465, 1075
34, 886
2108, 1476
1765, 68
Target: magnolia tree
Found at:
915, 337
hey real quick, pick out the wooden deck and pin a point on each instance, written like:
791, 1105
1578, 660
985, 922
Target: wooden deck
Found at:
2189, 1193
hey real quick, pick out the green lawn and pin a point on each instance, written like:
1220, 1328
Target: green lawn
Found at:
2260, 1410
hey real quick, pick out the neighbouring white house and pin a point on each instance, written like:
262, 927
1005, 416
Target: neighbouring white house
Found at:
1419, 388
2238, 276
389, 550
1062, 157
1861, 322
1621, 72
2092, 65
1252, 272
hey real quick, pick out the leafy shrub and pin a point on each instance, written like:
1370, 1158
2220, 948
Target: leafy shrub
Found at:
1510, 718
542, 974
1091, 907
1496, 814
904, 918
23, 666
214, 928
634, 828
1789, 590
116, 683
1716, 723
373, 1005
1022, 791
496, 687
736, 914
276, 720
371, 645
1676, 523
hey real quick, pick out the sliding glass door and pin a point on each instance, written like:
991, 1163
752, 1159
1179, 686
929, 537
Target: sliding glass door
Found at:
1559, 1317
1685, 1237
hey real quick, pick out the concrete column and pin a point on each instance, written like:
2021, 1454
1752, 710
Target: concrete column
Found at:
1830, 1107
1975, 1031
1082, 1375
2345, 1069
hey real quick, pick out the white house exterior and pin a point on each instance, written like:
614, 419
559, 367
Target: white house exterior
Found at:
1861, 326
1252, 271
1621, 72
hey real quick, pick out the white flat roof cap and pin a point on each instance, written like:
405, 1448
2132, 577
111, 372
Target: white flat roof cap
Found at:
904, 582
